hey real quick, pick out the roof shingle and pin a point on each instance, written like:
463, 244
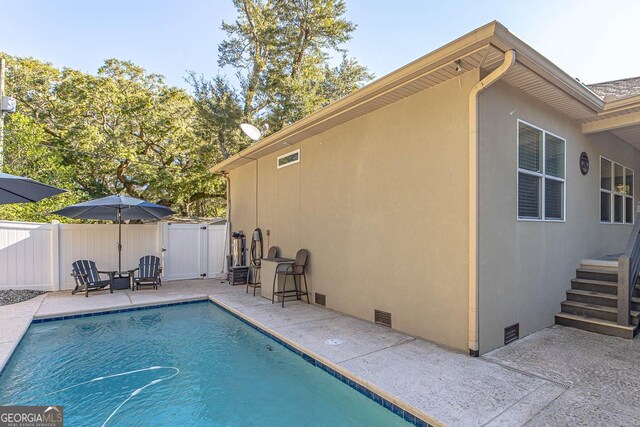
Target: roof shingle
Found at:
617, 89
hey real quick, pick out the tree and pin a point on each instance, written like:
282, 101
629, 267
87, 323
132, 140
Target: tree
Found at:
25, 156
219, 113
124, 130
281, 53
121, 131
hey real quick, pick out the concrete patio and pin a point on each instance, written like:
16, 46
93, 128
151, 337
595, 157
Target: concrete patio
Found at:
555, 377
602, 373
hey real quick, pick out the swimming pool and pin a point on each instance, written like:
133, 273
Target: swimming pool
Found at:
185, 365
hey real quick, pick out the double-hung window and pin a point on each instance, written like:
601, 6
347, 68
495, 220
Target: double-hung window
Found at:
541, 174
616, 193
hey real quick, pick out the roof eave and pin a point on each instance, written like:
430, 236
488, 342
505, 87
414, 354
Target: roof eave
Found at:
532, 59
622, 104
443, 55
493, 33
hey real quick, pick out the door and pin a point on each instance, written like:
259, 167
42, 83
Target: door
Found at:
186, 251
216, 249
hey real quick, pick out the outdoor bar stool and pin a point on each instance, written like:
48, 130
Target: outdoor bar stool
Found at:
255, 281
296, 270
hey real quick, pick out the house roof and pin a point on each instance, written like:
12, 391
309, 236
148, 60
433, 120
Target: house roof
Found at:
617, 89
482, 48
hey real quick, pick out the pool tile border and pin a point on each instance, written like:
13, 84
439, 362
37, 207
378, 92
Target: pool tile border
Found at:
365, 391
120, 310
387, 404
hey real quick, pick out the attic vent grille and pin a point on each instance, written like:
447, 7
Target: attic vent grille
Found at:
288, 159
383, 318
511, 333
321, 299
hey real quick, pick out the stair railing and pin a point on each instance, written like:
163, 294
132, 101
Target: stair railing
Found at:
628, 272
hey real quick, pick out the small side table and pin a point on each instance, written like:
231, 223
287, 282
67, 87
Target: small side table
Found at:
121, 280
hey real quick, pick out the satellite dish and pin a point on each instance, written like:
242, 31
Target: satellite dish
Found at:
251, 131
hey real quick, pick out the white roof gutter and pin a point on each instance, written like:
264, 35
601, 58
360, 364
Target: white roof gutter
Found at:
534, 61
474, 323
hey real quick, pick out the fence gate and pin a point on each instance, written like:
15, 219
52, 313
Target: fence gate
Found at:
193, 251
217, 249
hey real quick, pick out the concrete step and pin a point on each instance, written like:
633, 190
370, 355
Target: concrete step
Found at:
594, 286
600, 326
597, 274
594, 298
599, 286
609, 262
595, 311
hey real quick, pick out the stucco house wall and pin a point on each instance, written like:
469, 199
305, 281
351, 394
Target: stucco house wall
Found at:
526, 266
242, 197
381, 203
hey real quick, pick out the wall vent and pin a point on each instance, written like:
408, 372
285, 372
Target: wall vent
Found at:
321, 299
383, 318
511, 333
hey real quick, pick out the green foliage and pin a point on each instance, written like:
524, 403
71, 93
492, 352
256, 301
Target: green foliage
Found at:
120, 131
281, 53
219, 114
26, 156
124, 130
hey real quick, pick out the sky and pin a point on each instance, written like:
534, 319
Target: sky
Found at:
594, 41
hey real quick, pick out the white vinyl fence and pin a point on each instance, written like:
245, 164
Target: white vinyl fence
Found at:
39, 256
194, 250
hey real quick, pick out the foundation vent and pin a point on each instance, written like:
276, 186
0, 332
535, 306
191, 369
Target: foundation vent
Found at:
321, 299
511, 333
383, 318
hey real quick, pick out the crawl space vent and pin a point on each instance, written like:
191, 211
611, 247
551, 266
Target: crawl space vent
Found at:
511, 333
383, 318
321, 299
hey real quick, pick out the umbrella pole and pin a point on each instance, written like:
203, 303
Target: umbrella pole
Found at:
119, 239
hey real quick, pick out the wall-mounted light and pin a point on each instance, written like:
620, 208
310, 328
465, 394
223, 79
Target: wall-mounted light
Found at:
458, 68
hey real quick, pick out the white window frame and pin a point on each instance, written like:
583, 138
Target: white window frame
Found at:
543, 176
612, 193
279, 166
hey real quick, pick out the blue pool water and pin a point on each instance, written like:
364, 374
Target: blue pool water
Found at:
191, 365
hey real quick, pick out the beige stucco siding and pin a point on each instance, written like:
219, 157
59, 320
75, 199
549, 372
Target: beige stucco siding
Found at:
380, 202
243, 198
525, 267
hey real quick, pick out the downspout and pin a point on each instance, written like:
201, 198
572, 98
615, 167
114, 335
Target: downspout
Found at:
228, 237
495, 75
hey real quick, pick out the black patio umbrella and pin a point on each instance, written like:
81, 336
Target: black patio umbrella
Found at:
18, 189
116, 208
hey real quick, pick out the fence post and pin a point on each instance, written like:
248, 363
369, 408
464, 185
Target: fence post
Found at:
163, 240
55, 255
204, 250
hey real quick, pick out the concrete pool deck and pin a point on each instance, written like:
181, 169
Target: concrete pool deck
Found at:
559, 376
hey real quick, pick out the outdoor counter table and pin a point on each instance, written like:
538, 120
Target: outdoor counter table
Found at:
268, 272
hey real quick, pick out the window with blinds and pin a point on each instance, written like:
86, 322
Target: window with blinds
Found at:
541, 174
616, 193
